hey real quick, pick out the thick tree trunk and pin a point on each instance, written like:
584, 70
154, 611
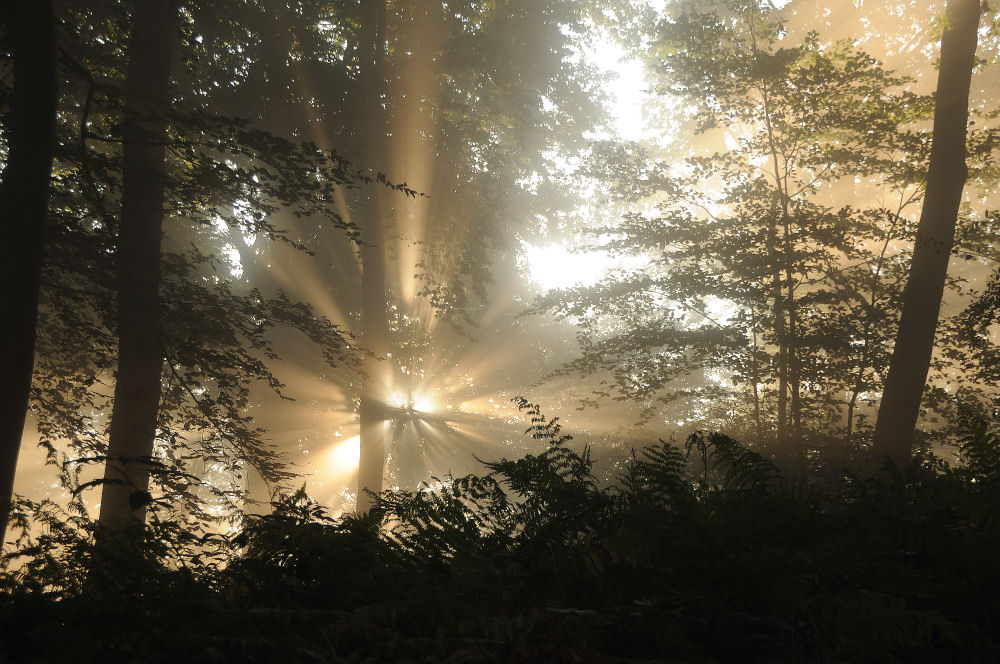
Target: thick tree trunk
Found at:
900, 406
24, 194
374, 316
140, 344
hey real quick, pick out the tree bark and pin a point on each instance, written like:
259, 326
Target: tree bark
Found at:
778, 323
374, 316
755, 375
900, 405
794, 361
374, 336
781, 333
125, 493
24, 194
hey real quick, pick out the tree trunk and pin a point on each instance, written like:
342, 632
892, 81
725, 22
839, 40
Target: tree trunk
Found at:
374, 316
755, 375
140, 345
872, 304
779, 334
904, 385
780, 330
24, 194
374, 336
794, 361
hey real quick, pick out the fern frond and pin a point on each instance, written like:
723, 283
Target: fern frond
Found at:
656, 472
741, 468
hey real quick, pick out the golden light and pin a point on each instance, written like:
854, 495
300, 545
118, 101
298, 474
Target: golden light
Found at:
416, 403
424, 404
342, 458
397, 400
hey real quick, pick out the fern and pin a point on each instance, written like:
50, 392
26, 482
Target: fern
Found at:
656, 473
468, 516
737, 467
518, 501
541, 428
700, 552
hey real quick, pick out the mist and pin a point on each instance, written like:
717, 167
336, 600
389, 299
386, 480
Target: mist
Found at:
612, 324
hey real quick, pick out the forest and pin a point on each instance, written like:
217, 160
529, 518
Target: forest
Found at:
500, 331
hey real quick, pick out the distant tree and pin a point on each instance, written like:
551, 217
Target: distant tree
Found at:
750, 224
30, 118
946, 176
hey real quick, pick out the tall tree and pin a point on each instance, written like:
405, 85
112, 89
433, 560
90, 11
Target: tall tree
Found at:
24, 194
372, 250
125, 494
225, 177
946, 176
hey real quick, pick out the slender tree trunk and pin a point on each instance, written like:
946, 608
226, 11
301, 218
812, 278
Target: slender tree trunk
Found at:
140, 345
779, 305
904, 385
779, 334
24, 194
755, 376
374, 316
794, 361
865, 360
374, 336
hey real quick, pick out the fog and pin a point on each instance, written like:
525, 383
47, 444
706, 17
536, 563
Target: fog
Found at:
499, 331
552, 203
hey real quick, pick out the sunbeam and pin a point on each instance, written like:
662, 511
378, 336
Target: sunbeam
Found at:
520, 330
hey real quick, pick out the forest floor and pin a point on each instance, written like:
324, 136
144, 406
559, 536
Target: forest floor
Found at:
703, 553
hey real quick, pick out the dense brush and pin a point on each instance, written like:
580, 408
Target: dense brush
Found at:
700, 552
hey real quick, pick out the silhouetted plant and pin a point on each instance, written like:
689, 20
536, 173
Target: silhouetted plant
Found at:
700, 552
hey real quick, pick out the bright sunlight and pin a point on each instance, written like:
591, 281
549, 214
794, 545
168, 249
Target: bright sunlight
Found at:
557, 266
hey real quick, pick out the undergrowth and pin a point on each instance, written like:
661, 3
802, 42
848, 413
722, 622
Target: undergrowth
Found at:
697, 553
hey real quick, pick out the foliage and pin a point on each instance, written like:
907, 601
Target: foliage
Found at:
706, 551
228, 176
775, 234
700, 553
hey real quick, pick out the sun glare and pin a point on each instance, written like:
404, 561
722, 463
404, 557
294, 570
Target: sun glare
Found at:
626, 88
418, 403
557, 266
344, 455
423, 404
